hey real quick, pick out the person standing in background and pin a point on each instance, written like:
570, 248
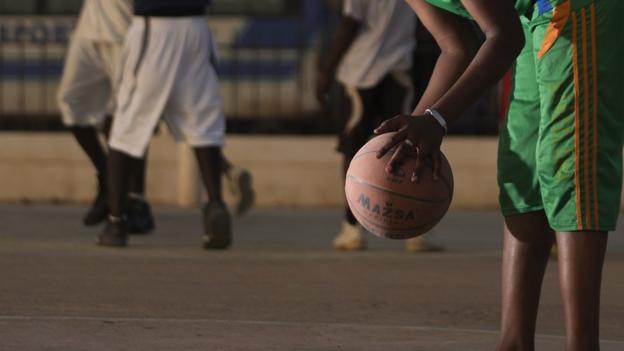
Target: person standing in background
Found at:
371, 57
170, 73
86, 98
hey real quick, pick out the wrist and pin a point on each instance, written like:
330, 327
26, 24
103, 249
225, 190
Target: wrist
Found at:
437, 116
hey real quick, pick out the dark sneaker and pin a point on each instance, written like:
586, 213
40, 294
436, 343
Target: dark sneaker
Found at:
217, 227
115, 234
99, 209
240, 184
140, 218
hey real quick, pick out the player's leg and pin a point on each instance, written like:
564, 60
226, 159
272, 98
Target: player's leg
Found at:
115, 233
83, 98
527, 240
527, 235
354, 125
210, 166
139, 214
148, 76
581, 257
140, 218
240, 184
217, 222
195, 115
88, 139
581, 171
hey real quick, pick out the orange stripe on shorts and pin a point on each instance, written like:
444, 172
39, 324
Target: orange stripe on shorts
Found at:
577, 138
586, 121
560, 16
592, 12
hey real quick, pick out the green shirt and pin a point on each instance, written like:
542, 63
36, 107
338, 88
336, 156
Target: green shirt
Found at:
456, 7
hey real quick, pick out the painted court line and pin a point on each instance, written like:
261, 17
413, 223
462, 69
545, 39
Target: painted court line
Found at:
270, 323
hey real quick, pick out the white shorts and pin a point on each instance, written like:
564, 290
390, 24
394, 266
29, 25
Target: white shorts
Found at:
90, 77
168, 72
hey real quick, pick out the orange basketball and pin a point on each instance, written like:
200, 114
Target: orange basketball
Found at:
391, 205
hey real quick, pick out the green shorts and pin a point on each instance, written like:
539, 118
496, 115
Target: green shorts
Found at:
560, 149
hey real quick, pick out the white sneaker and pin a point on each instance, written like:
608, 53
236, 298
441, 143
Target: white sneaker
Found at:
422, 244
350, 238
241, 187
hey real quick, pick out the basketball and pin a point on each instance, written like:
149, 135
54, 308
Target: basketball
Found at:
391, 205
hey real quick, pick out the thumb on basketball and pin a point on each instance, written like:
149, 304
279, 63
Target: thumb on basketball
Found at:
391, 125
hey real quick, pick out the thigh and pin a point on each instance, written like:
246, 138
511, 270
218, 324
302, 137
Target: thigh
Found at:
112, 60
194, 112
151, 61
85, 88
517, 173
579, 154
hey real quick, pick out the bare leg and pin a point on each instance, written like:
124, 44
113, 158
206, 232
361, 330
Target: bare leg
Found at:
210, 165
119, 168
581, 257
88, 140
217, 222
526, 248
137, 176
136, 180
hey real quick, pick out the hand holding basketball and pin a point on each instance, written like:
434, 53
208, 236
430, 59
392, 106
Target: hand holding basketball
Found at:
390, 204
416, 136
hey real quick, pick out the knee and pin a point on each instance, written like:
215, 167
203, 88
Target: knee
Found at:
530, 228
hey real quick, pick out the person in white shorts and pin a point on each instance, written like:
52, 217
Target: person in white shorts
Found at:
169, 73
86, 99
371, 57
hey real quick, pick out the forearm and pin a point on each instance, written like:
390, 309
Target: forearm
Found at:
490, 63
448, 68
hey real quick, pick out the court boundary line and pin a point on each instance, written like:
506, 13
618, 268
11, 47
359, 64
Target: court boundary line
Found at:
9, 318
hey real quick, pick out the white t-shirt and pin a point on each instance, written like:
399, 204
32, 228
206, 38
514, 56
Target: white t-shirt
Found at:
105, 20
384, 44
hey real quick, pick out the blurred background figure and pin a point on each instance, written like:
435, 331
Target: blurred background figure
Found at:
371, 57
86, 98
169, 72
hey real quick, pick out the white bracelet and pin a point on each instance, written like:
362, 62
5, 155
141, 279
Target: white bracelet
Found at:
438, 117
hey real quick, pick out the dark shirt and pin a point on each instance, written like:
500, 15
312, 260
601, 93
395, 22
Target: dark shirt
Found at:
170, 8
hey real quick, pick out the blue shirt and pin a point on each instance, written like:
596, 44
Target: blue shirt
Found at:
170, 7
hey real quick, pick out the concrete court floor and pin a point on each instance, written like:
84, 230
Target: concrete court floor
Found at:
281, 288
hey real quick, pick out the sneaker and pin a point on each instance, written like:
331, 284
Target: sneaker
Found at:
217, 227
140, 218
350, 238
115, 234
99, 208
422, 244
240, 184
